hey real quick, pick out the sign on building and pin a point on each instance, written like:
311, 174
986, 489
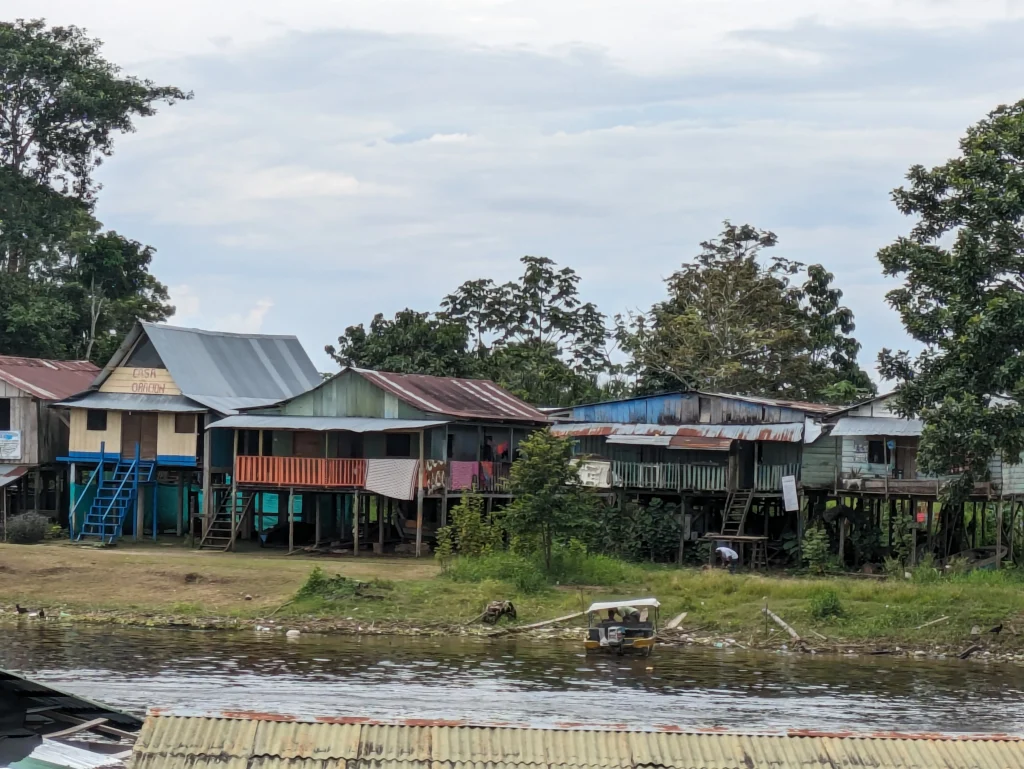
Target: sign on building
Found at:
789, 496
10, 445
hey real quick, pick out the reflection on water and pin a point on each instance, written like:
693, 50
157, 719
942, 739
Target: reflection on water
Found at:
520, 682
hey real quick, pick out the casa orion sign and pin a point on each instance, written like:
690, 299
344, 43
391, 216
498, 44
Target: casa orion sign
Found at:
152, 381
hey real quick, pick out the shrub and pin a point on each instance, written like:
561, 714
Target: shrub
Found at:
925, 571
522, 572
816, 550
27, 528
826, 605
573, 565
958, 566
893, 568
320, 584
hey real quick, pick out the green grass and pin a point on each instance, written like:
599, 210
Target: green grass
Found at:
844, 609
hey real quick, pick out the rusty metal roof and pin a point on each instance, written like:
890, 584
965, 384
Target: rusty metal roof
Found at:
48, 380
283, 742
787, 432
462, 398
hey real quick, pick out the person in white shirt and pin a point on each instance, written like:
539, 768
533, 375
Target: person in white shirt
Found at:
729, 557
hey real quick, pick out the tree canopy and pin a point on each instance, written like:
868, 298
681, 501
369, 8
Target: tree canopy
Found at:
963, 299
733, 322
69, 288
412, 343
534, 336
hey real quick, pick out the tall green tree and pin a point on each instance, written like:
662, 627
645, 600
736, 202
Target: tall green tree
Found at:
737, 322
962, 264
412, 343
62, 103
535, 334
107, 279
550, 506
68, 290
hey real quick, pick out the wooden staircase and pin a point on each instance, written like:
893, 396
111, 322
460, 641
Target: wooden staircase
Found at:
736, 508
227, 520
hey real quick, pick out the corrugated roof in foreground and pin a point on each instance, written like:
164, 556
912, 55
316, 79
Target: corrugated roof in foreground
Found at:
48, 380
322, 424
281, 742
787, 432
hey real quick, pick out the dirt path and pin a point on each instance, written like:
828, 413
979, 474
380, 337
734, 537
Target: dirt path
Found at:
162, 577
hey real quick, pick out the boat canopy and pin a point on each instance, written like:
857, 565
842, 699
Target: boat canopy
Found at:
636, 602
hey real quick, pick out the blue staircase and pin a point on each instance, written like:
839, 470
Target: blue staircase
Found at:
116, 499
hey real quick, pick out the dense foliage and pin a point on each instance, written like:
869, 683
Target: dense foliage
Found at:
733, 322
963, 299
69, 289
533, 335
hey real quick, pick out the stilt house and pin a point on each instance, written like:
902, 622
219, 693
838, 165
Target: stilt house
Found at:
367, 458
32, 433
136, 433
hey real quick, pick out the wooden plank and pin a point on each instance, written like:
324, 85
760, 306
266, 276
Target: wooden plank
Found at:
676, 621
536, 625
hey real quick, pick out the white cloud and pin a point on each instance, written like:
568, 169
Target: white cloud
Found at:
346, 172
249, 322
186, 304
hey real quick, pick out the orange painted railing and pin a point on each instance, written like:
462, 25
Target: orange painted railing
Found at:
300, 471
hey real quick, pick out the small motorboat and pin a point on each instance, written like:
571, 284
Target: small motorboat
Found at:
622, 627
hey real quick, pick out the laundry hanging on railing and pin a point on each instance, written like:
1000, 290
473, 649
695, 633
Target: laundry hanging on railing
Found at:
395, 478
464, 475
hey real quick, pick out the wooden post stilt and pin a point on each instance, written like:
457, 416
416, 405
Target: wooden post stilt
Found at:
291, 520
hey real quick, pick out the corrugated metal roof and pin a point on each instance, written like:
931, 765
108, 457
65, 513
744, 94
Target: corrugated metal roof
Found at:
691, 442
279, 742
229, 405
233, 365
462, 398
48, 380
225, 372
134, 402
788, 432
812, 408
52, 753
322, 424
862, 426
11, 473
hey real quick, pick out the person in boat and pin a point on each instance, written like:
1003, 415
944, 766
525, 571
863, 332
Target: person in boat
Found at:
729, 558
626, 614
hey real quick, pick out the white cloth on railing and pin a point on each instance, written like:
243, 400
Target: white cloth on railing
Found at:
395, 478
595, 473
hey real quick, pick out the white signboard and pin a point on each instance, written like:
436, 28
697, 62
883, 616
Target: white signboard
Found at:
10, 445
789, 493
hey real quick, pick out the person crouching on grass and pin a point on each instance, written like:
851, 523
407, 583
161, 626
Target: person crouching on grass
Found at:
729, 558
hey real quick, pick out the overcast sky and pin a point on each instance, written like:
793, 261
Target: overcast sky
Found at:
343, 158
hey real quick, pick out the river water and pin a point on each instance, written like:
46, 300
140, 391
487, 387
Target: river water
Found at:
522, 682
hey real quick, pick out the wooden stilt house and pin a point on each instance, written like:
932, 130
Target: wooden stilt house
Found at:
367, 459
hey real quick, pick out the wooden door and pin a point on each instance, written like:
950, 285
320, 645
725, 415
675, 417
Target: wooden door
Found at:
150, 429
141, 429
131, 433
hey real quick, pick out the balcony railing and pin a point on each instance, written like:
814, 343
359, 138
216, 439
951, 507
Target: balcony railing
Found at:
769, 477
486, 477
669, 477
301, 471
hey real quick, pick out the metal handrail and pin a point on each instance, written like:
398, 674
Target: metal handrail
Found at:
135, 465
95, 473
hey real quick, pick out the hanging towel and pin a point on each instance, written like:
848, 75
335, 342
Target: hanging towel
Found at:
464, 475
487, 476
395, 478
